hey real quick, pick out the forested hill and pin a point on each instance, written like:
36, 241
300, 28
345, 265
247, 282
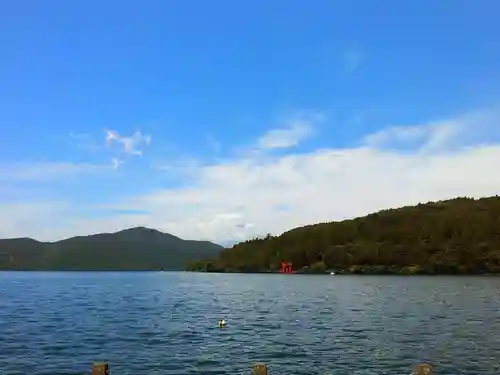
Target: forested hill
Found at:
131, 249
449, 237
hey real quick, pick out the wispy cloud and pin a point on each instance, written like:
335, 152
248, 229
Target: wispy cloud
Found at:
243, 197
184, 168
78, 136
285, 137
130, 144
428, 137
116, 163
439, 136
352, 59
19, 219
326, 184
47, 171
294, 130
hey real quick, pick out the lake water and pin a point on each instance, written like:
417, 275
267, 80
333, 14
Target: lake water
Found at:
166, 323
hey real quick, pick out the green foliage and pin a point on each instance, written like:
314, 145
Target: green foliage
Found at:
131, 249
316, 268
458, 236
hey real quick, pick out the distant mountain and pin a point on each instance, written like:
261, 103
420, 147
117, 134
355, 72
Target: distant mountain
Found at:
131, 249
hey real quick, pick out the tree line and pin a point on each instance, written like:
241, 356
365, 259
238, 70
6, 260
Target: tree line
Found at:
458, 236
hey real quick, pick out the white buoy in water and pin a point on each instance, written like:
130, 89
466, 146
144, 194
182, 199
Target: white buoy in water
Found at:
222, 323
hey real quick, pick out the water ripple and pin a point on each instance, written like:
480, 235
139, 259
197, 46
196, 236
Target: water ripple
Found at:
165, 323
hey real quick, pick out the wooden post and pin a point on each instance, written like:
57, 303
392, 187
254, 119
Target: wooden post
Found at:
100, 368
259, 369
423, 369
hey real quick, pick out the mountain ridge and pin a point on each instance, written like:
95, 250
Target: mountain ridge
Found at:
126, 230
137, 248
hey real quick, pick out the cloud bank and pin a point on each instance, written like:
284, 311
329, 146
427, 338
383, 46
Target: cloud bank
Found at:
249, 195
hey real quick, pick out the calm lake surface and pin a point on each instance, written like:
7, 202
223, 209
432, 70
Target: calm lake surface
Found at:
166, 323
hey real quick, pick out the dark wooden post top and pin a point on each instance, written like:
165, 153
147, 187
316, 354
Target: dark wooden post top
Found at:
100, 368
259, 369
423, 369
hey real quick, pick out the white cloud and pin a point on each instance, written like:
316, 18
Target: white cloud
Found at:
239, 198
181, 168
78, 136
243, 199
46, 170
116, 163
29, 218
440, 136
292, 132
434, 136
131, 143
285, 137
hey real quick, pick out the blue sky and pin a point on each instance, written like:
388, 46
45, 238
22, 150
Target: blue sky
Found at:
223, 120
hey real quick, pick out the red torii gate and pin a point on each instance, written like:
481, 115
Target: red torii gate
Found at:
286, 267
